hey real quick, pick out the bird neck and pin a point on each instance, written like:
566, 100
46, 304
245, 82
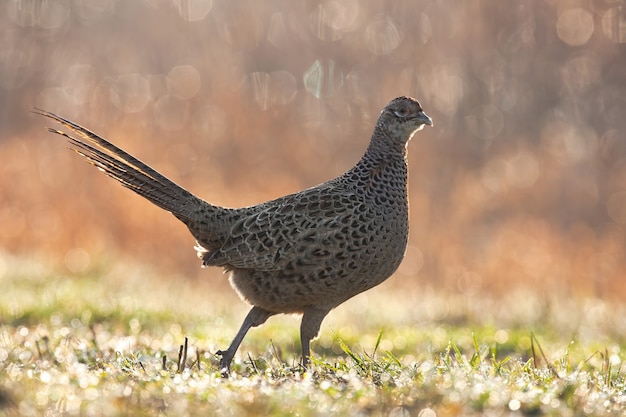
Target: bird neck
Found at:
384, 150
381, 165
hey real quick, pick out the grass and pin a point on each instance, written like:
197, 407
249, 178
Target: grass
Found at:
108, 342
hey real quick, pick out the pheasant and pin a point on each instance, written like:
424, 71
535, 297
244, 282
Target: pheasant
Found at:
303, 253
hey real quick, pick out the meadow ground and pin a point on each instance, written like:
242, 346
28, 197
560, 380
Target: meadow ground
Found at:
108, 342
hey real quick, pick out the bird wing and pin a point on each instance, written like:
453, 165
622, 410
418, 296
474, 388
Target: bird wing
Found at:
301, 229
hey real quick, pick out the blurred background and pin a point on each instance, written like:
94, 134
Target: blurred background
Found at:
520, 184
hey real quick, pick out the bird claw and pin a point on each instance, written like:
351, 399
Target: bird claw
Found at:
224, 372
224, 362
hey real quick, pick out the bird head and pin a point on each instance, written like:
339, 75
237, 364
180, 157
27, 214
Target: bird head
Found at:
401, 118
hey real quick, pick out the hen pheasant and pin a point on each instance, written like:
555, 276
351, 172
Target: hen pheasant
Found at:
303, 253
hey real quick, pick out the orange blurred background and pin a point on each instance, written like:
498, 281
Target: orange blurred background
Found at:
521, 183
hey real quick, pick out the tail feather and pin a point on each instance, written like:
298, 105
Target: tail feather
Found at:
128, 170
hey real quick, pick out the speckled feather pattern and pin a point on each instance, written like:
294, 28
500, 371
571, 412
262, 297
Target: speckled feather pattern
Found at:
306, 252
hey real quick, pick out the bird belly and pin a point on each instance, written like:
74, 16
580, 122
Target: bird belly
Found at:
326, 284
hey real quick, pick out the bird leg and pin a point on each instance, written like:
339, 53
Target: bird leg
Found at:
309, 328
255, 317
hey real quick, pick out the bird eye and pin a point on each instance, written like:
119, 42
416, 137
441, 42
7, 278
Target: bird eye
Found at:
401, 112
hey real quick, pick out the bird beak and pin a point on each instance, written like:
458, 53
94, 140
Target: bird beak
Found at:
423, 117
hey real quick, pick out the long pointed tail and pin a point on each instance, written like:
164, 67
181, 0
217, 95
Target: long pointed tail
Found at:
129, 171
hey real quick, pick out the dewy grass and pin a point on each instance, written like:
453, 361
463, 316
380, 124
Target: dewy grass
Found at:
108, 344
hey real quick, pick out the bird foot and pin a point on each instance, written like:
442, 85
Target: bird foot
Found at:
225, 361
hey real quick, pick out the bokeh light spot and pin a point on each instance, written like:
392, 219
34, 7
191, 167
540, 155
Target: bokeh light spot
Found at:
426, 412
326, 20
331, 19
444, 88
193, 10
425, 27
614, 24
581, 72
131, 92
184, 81
501, 336
469, 282
23, 13
568, 143
514, 404
256, 85
277, 31
78, 82
382, 36
54, 14
50, 14
575, 26
323, 80
77, 260
89, 10
522, 170
275, 88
